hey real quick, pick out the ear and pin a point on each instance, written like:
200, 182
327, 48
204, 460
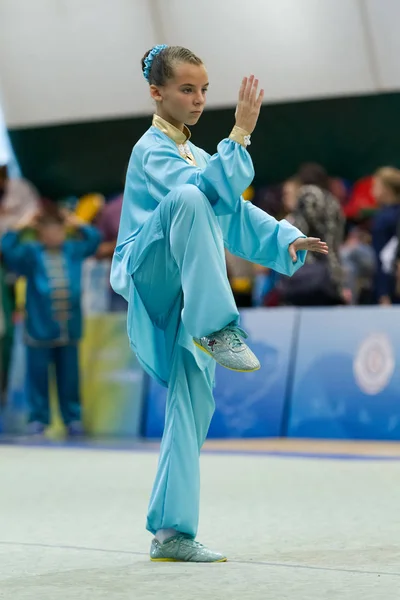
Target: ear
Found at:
155, 93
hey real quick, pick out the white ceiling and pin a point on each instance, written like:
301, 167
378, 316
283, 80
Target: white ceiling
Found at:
69, 60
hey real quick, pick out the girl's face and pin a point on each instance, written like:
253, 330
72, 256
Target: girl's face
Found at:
182, 99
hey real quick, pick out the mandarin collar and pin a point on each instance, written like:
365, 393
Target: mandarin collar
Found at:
179, 137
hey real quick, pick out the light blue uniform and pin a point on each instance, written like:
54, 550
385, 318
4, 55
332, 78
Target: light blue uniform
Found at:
180, 208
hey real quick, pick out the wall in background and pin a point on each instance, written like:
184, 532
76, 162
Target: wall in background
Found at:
350, 136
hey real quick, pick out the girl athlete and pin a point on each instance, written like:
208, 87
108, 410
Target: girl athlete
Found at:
181, 208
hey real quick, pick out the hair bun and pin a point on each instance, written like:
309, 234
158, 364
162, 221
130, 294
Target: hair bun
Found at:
148, 58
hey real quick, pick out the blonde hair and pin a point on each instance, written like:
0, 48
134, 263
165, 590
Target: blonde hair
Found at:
390, 178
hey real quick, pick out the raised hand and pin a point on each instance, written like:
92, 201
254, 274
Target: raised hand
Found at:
71, 219
309, 243
249, 104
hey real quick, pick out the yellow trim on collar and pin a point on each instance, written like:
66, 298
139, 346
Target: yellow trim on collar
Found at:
177, 136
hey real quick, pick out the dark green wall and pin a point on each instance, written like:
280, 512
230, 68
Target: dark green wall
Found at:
350, 136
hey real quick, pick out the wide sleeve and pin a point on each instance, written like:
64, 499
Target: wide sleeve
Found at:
228, 173
256, 236
18, 256
88, 244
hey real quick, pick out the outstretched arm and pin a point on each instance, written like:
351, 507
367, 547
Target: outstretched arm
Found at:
256, 236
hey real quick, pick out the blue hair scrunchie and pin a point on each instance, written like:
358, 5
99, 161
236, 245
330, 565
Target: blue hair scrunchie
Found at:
148, 61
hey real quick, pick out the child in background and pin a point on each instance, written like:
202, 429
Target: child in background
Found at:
53, 327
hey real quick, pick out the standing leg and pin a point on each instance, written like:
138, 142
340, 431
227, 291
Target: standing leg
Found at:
38, 362
185, 268
67, 374
174, 503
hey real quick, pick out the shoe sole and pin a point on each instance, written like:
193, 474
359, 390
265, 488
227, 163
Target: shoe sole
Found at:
225, 367
176, 560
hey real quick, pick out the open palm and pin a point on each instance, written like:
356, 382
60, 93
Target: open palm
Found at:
309, 243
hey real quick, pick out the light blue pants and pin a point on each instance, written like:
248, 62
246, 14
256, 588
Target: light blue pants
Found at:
186, 266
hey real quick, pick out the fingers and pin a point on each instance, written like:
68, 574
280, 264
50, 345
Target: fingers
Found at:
253, 92
320, 247
248, 91
312, 244
242, 89
260, 99
292, 253
248, 88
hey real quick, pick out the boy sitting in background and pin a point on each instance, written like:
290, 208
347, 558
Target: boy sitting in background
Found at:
53, 326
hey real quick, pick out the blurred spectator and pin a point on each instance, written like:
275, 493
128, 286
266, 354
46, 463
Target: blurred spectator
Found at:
397, 262
340, 189
290, 194
108, 224
265, 290
18, 198
89, 206
359, 265
386, 190
362, 202
318, 214
269, 199
6, 334
53, 328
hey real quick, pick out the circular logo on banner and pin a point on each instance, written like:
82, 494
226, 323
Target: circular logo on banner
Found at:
374, 363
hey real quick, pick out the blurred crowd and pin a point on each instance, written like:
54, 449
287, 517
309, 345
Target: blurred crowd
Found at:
359, 221
45, 245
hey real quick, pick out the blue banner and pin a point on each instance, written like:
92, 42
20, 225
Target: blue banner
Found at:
346, 384
247, 404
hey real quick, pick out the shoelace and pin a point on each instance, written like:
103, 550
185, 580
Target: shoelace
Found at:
232, 335
194, 544
186, 536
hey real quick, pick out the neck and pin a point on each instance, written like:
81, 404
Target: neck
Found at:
169, 119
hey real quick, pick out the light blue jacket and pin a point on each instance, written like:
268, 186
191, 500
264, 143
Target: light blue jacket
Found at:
157, 166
